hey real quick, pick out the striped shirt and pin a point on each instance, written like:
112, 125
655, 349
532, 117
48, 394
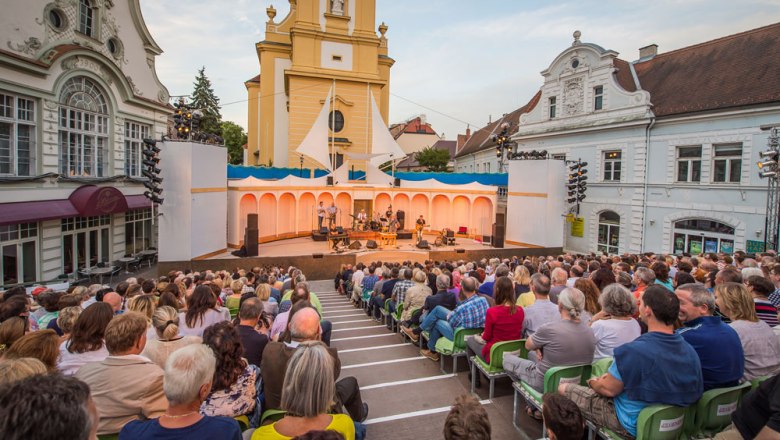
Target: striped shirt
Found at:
766, 311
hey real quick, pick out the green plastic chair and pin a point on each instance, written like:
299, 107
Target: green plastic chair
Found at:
712, 413
600, 367
656, 422
495, 369
576, 374
758, 381
243, 422
455, 348
364, 298
395, 318
272, 416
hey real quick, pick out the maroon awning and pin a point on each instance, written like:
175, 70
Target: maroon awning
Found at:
85, 201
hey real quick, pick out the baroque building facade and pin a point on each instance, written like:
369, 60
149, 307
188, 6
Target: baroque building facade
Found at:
78, 93
671, 141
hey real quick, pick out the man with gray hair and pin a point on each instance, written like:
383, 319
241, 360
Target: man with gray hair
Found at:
189, 373
717, 344
252, 340
305, 326
441, 298
643, 277
542, 311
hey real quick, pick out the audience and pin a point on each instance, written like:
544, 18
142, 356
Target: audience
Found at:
165, 322
125, 386
467, 420
252, 339
86, 341
758, 417
542, 310
12, 370
201, 312
188, 379
42, 345
562, 418
415, 296
761, 288
614, 325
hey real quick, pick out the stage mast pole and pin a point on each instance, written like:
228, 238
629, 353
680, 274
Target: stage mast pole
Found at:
333, 126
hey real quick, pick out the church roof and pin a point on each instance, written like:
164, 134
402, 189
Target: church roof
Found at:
480, 139
732, 71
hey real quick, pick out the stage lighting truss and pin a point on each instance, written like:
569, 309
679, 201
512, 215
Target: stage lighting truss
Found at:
151, 172
576, 183
769, 169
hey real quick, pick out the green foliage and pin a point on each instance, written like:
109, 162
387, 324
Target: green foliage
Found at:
433, 159
203, 98
235, 138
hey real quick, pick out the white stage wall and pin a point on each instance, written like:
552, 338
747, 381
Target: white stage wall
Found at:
536, 202
194, 212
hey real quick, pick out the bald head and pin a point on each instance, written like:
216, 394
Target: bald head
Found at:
114, 300
305, 325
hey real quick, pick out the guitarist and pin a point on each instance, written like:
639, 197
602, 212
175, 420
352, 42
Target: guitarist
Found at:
418, 227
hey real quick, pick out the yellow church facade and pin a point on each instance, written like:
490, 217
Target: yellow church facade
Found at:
320, 47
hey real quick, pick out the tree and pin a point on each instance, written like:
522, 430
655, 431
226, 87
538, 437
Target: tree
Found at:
433, 159
235, 138
203, 98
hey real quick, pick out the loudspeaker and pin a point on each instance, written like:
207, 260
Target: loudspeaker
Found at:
329, 180
339, 230
397, 182
355, 245
251, 221
460, 251
501, 219
485, 238
371, 244
316, 255
250, 242
324, 230
423, 244
498, 235
401, 217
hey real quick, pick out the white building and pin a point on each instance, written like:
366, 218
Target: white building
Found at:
78, 92
671, 139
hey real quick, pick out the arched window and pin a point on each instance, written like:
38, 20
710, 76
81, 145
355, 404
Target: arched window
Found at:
697, 235
609, 232
86, 18
83, 129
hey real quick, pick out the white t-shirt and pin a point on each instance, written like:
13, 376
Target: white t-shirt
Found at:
611, 333
210, 317
69, 363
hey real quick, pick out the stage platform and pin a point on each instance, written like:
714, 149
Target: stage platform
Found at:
319, 261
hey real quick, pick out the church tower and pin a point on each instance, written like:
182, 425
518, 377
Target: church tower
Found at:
321, 45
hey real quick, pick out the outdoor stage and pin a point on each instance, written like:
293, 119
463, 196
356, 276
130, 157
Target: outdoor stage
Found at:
319, 261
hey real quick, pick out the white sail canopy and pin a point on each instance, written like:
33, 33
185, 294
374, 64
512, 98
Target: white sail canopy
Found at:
383, 146
315, 144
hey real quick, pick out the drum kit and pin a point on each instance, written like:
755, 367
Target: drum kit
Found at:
376, 224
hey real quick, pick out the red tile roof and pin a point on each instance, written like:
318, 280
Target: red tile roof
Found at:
414, 126
732, 71
255, 79
624, 76
480, 139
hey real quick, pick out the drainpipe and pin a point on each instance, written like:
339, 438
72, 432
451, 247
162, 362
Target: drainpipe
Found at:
647, 174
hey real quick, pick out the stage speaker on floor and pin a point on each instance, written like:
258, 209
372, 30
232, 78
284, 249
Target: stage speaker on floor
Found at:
251, 221
501, 219
250, 242
498, 235
324, 230
423, 244
316, 255
397, 182
371, 244
401, 217
355, 245
329, 180
460, 251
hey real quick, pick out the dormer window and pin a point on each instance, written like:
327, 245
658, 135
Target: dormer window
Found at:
598, 97
553, 102
86, 18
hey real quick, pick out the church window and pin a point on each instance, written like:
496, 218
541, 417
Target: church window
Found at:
336, 121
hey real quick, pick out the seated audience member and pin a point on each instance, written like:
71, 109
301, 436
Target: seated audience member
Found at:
760, 345
503, 322
717, 344
758, 416
486, 288
47, 407
592, 294
165, 323
774, 276
11, 330
49, 310
42, 345
761, 288
383, 292
12, 370
522, 279
415, 296
467, 420
661, 271
125, 386
145, 305
236, 384
441, 298
279, 325
305, 326
301, 288
67, 301
201, 312
614, 325
252, 340
308, 391
542, 310
189, 373
86, 342
657, 367
400, 289
115, 301
66, 320
441, 322
562, 418
643, 277
558, 279
603, 277
567, 341
270, 306
236, 289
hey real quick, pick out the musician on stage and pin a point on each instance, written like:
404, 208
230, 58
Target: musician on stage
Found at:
389, 213
332, 210
420, 224
362, 219
320, 216
394, 225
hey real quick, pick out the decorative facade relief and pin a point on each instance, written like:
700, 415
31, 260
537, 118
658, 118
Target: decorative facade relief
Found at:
30, 46
87, 64
573, 96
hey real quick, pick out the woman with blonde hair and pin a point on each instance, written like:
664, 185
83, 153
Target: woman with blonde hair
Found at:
759, 343
233, 300
12, 370
67, 319
270, 306
308, 391
145, 305
42, 345
522, 279
165, 322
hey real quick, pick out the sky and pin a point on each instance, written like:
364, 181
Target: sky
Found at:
458, 62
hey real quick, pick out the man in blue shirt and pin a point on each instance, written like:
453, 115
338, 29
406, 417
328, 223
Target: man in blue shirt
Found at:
716, 343
658, 367
441, 322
